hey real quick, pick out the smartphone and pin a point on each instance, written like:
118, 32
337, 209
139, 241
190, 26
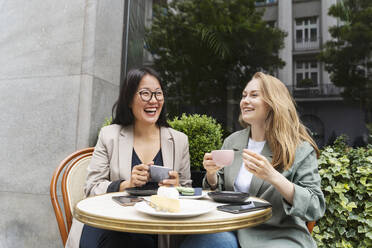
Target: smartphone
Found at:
158, 173
129, 200
242, 208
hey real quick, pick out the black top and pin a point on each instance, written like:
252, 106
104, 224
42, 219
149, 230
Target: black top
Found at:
158, 160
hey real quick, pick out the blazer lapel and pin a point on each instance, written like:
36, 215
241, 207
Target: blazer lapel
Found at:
167, 147
125, 152
256, 182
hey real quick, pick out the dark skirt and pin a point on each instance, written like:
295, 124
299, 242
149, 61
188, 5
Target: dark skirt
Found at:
92, 237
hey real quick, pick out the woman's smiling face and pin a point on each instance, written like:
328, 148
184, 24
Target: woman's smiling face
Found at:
252, 106
147, 112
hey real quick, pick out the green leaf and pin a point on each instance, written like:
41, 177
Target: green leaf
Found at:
350, 206
363, 180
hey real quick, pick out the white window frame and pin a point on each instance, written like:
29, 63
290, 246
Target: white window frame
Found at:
306, 71
305, 27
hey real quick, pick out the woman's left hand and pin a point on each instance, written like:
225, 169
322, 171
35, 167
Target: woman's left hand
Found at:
174, 180
259, 166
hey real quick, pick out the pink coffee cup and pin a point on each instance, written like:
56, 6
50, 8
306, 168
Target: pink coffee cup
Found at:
223, 157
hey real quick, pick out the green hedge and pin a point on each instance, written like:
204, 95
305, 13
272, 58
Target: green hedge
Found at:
347, 186
204, 133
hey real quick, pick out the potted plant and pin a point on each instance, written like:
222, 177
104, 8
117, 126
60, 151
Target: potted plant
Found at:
204, 134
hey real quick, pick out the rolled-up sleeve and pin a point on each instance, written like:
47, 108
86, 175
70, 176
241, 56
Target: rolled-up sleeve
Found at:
98, 178
308, 199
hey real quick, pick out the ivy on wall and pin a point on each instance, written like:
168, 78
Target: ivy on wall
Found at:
347, 186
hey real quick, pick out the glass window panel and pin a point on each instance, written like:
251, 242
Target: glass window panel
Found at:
314, 78
298, 36
271, 24
313, 34
313, 20
306, 32
299, 78
298, 22
299, 64
306, 75
306, 65
314, 64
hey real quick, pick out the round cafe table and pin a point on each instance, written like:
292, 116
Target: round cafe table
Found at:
102, 212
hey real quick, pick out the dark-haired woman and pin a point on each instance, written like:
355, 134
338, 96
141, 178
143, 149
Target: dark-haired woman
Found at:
138, 138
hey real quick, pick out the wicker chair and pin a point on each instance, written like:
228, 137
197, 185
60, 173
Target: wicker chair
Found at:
310, 226
74, 168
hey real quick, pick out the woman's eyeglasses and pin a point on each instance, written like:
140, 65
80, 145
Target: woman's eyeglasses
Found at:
146, 95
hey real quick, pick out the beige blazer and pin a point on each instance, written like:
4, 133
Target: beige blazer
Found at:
112, 160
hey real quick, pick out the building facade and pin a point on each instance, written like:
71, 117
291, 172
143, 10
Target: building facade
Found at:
322, 109
319, 102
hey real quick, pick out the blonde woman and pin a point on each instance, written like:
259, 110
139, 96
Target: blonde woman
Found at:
277, 162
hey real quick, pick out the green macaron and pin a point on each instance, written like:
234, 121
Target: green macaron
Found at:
186, 190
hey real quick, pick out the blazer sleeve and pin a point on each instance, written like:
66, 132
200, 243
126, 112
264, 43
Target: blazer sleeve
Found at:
220, 174
98, 170
308, 200
184, 168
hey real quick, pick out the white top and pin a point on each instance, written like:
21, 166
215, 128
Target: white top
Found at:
244, 178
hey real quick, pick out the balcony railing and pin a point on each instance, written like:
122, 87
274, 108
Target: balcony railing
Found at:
306, 44
322, 91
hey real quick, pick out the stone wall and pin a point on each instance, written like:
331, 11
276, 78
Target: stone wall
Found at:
60, 65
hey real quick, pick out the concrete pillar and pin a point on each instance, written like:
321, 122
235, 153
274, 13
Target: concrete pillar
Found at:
59, 76
285, 21
325, 23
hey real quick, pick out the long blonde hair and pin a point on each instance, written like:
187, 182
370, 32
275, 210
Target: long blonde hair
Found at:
283, 129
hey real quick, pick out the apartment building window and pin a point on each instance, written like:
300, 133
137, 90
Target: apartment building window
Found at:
271, 24
307, 74
306, 33
265, 2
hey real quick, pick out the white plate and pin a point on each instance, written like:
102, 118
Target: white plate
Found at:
203, 194
189, 208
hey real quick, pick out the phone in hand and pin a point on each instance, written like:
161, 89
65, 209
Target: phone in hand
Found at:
159, 173
129, 200
245, 207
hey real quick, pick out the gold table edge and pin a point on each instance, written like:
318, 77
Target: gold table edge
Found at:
178, 226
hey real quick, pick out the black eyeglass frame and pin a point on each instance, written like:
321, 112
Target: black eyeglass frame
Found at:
153, 93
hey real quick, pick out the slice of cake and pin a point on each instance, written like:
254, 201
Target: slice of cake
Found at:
166, 200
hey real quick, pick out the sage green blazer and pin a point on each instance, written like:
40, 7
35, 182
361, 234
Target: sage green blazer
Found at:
287, 226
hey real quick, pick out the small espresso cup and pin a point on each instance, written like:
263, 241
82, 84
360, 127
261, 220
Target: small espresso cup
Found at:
223, 157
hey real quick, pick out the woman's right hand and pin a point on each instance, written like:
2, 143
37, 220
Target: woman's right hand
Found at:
140, 175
